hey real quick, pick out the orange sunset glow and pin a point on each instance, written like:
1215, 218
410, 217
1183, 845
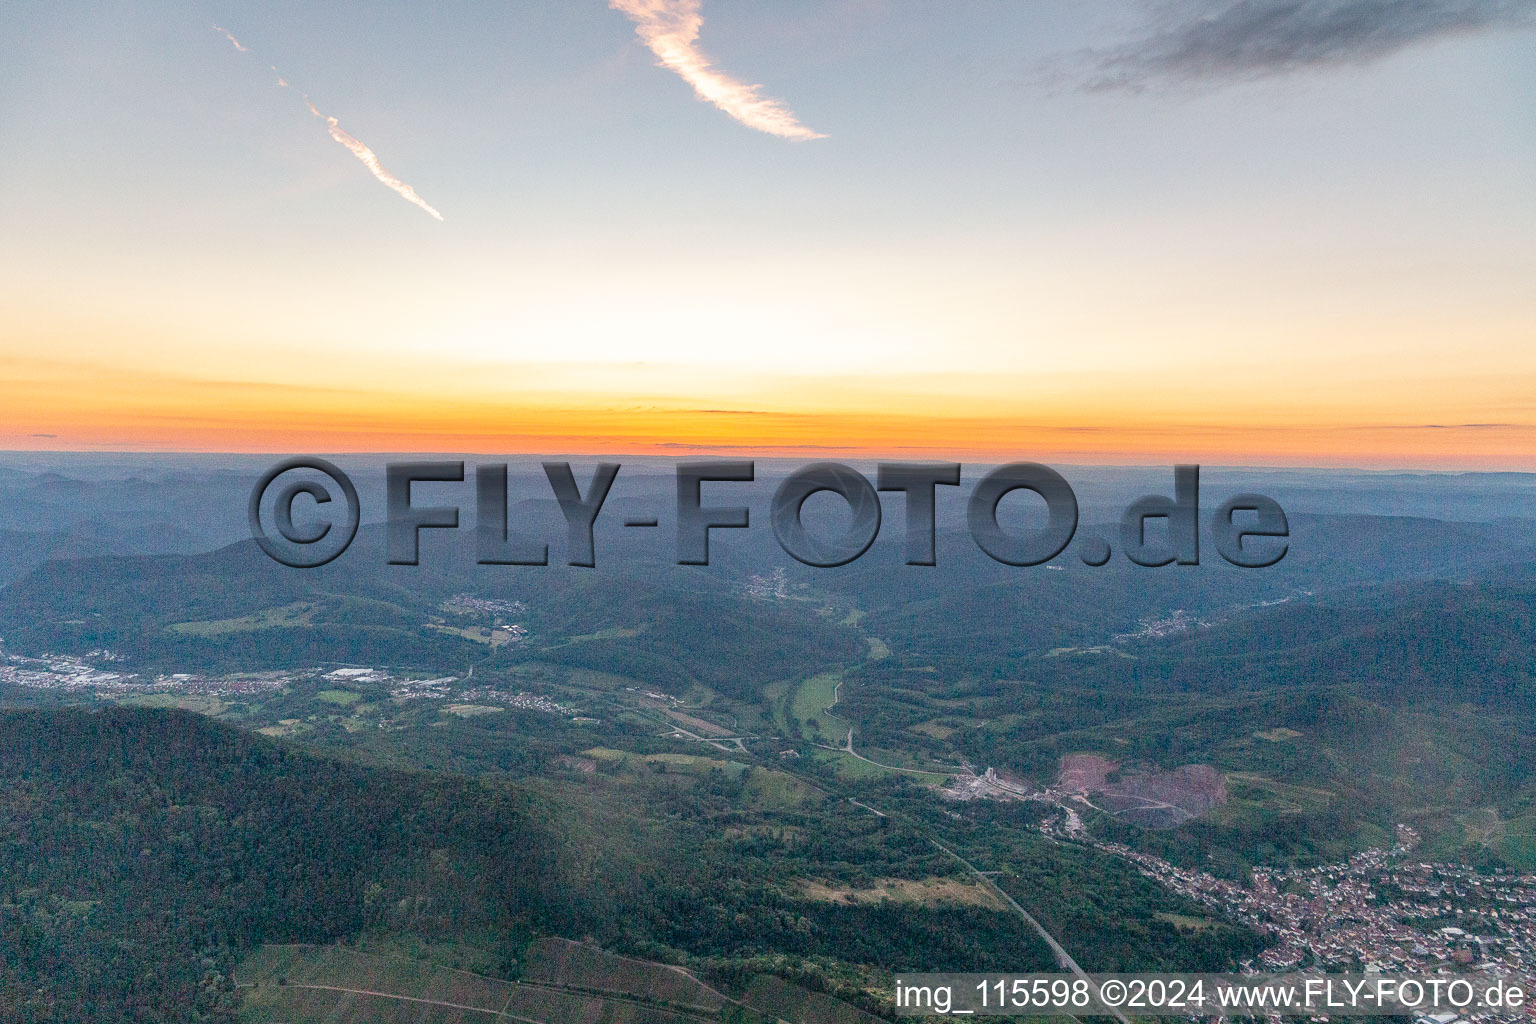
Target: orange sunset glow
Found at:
1330, 266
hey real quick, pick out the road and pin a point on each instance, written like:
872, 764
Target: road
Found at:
718, 742
1057, 949
502, 1014
847, 746
1062, 956
871, 810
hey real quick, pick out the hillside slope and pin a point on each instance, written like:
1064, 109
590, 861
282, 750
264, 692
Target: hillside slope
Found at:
141, 853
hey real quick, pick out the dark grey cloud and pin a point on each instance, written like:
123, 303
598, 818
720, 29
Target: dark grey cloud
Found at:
1455, 426
1202, 41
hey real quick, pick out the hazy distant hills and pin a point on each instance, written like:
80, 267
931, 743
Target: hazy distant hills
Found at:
120, 503
21, 552
1464, 640
965, 607
969, 607
666, 623
1394, 602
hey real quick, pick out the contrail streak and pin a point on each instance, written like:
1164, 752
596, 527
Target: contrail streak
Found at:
371, 161
670, 28
351, 142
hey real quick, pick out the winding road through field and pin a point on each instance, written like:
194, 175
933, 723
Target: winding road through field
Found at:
847, 746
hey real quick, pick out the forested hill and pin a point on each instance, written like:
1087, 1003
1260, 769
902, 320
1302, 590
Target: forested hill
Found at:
236, 610
142, 852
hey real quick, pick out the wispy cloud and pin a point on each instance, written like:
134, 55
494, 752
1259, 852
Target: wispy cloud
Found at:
670, 28
351, 142
1197, 40
231, 37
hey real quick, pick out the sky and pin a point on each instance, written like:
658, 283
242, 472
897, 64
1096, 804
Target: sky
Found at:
1297, 232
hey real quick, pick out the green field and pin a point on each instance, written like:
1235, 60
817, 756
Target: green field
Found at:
849, 767
211, 706
808, 710
297, 614
611, 633
691, 763
346, 698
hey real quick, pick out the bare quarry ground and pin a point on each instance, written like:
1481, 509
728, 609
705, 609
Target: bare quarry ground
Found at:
1153, 798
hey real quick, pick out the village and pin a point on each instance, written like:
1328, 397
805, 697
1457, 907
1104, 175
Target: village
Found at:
1381, 911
